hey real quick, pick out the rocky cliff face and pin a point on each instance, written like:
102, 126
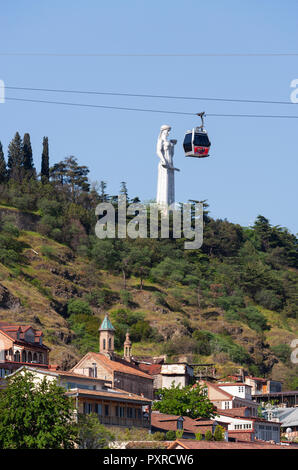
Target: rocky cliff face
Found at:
22, 220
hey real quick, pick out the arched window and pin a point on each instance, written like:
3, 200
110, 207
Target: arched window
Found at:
40, 358
110, 343
104, 344
34, 357
24, 356
17, 356
29, 357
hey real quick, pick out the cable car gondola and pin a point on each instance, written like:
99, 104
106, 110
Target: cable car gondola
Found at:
196, 142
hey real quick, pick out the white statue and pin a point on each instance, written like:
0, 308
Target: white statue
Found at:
166, 181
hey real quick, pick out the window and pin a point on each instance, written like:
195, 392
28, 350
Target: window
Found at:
107, 410
87, 408
110, 343
187, 144
104, 344
71, 385
120, 411
201, 140
98, 409
24, 356
17, 356
227, 405
29, 356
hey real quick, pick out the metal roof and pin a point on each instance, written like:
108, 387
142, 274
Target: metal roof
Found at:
106, 324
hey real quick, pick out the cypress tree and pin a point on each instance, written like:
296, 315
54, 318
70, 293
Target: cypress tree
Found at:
3, 169
15, 158
28, 164
45, 170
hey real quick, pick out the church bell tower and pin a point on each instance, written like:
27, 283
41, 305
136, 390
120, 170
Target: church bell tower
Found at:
106, 337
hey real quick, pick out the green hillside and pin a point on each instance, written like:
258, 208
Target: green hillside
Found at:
213, 320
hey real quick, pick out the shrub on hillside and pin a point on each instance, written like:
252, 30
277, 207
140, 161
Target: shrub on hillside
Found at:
78, 306
282, 352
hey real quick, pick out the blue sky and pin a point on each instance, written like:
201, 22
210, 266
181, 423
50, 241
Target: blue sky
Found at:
253, 168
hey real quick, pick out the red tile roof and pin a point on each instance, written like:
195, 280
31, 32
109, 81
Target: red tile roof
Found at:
151, 369
118, 365
116, 395
167, 422
12, 332
191, 444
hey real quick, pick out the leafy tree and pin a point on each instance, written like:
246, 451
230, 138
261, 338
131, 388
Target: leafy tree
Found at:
141, 260
3, 169
27, 164
35, 415
78, 306
198, 436
170, 435
188, 401
45, 170
58, 173
219, 433
15, 158
103, 195
208, 435
10, 247
123, 190
92, 434
71, 176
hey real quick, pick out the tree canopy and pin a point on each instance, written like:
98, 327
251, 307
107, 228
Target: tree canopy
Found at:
185, 401
35, 415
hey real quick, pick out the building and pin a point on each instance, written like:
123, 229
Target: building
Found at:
287, 417
114, 407
259, 385
226, 396
243, 428
106, 365
287, 399
20, 345
163, 423
164, 375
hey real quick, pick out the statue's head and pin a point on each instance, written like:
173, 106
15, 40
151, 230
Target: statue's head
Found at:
165, 127
164, 130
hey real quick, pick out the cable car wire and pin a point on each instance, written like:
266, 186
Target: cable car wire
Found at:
149, 110
117, 54
139, 95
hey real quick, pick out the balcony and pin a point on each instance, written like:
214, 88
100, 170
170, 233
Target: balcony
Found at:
126, 422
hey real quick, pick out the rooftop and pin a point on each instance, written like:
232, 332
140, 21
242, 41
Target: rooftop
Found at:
167, 422
192, 444
119, 365
114, 394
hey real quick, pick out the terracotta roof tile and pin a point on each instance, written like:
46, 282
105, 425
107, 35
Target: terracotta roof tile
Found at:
191, 444
151, 369
119, 365
167, 422
109, 394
